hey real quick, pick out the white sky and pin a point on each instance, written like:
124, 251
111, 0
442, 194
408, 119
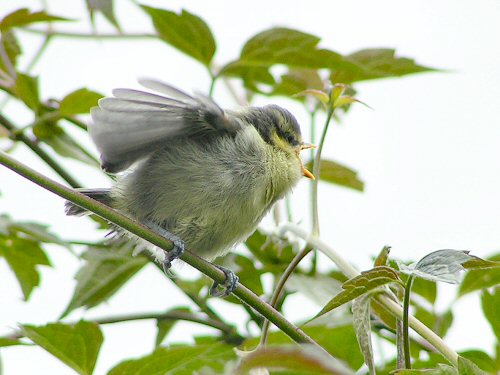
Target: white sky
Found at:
428, 152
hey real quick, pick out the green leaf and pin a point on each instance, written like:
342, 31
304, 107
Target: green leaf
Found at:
376, 63
106, 8
480, 278
296, 81
317, 288
361, 323
23, 257
441, 370
79, 101
27, 230
318, 94
338, 174
76, 345
186, 32
490, 302
274, 256
5, 341
440, 265
424, 288
164, 326
481, 359
439, 323
289, 47
359, 285
467, 367
106, 270
178, 360
23, 17
11, 47
305, 360
26, 89
382, 257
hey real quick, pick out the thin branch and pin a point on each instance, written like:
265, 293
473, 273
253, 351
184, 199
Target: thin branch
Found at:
394, 308
171, 315
406, 312
316, 172
66, 34
278, 290
241, 292
33, 145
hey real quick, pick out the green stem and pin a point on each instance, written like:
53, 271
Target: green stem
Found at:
312, 151
172, 315
112, 216
316, 172
212, 84
278, 290
393, 307
406, 313
65, 34
33, 145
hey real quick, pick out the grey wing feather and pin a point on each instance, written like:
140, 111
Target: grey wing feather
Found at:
133, 123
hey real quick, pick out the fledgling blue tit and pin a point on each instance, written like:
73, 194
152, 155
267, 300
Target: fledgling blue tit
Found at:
201, 176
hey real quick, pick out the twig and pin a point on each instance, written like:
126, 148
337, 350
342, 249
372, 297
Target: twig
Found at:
33, 145
65, 34
241, 292
391, 306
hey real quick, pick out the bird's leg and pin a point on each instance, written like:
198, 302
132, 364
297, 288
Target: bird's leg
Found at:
229, 284
176, 251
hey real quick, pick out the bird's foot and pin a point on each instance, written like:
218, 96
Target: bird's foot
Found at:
177, 249
227, 287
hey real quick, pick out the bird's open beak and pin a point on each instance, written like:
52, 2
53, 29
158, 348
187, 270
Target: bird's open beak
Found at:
305, 171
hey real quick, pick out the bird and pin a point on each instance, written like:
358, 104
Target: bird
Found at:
201, 176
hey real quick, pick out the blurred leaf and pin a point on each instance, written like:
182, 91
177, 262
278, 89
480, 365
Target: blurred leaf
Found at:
23, 17
490, 303
476, 263
441, 370
338, 174
11, 47
467, 367
305, 360
285, 46
481, 359
318, 94
106, 270
297, 80
317, 288
164, 326
440, 265
425, 288
359, 285
53, 135
376, 63
361, 323
252, 76
476, 279
106, 8
326, 336
76, 345
439, 323
382, 314
28, 230
186, 32
79, 101
382, 257
274, 257
23, 257
26, 89
178, 360
5, 341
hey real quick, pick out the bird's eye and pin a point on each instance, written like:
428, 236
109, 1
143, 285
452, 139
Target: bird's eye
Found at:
290, 138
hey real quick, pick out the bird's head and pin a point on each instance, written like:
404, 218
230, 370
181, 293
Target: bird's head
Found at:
279, 128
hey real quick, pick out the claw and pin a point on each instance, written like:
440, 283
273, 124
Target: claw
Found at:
229, 284
176, 251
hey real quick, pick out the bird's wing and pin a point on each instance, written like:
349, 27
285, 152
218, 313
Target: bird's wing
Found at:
133, 123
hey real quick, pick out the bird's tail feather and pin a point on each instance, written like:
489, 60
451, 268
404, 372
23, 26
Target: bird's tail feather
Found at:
100, 195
